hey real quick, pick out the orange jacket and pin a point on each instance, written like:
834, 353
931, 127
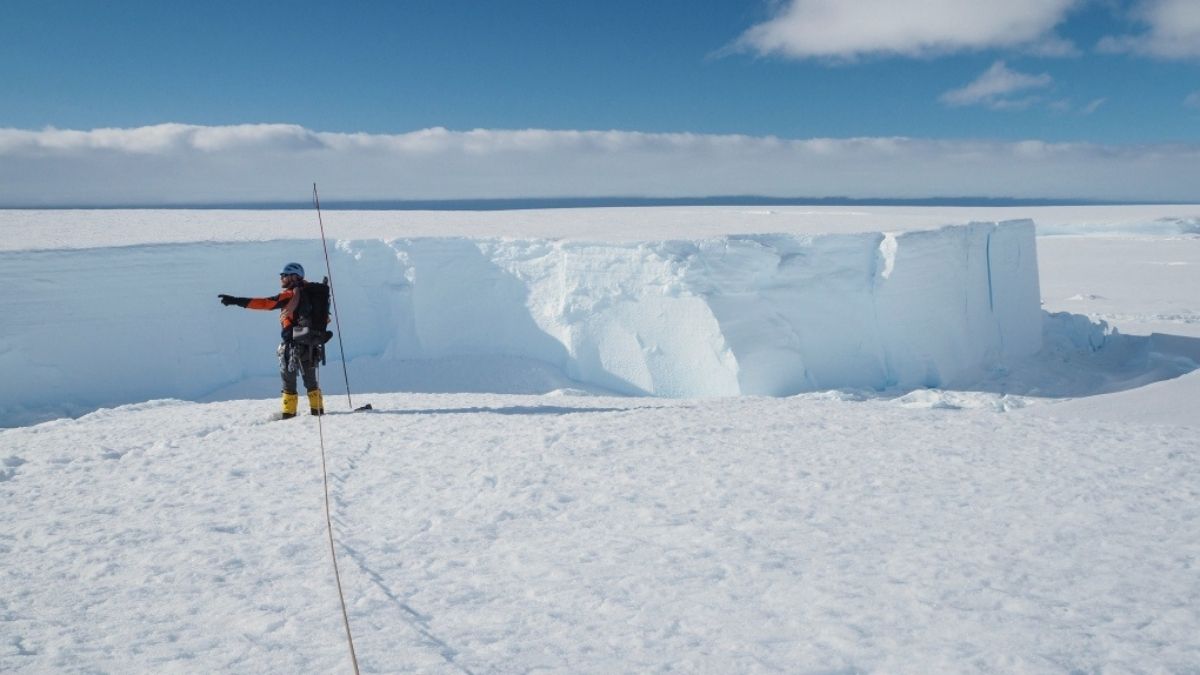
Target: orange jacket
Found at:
285, 301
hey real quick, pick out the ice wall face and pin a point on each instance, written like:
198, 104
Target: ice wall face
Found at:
748, 314
959, 300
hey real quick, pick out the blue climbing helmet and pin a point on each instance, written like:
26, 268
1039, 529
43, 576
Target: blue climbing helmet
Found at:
293, 268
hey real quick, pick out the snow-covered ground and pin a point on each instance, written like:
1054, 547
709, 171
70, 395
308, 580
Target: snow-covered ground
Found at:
1042, 519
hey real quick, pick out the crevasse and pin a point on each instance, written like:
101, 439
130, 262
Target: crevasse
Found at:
770, 314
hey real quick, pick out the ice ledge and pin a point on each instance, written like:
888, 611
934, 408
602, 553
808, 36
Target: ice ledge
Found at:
771, 314
747, 314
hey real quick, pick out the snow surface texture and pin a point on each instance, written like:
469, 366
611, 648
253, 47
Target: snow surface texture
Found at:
745, 314
507, 534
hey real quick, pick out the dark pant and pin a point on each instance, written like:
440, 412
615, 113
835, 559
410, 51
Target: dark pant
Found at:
297, 358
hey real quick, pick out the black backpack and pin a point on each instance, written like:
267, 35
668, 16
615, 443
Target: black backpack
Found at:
312, 314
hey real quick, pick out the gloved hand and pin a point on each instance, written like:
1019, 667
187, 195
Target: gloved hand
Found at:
286, 334
231, 300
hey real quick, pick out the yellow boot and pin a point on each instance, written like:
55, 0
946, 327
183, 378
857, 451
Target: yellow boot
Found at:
315, 404
290, 401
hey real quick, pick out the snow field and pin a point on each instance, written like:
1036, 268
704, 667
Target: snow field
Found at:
979, 529
1139, 284
484, 533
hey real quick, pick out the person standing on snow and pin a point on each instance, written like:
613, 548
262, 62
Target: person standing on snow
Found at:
303, 345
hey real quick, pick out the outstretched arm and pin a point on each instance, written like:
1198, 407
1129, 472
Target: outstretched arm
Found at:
273, 302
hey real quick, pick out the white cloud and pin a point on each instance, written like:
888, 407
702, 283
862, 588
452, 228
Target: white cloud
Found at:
1192, 100
160, 139
1173, 31
1093, 106
995, 86
846, 30
174, 163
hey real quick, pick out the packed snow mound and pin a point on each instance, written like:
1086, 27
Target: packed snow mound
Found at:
770, 314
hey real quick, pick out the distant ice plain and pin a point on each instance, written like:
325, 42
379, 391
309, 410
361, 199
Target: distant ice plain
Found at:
58, 229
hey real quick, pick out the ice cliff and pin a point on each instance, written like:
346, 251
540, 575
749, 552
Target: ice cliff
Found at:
771, 314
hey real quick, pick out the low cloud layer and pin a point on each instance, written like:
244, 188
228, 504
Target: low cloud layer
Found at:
175, 163
849, 30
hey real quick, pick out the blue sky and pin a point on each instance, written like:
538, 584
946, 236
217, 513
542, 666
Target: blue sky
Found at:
1117, 74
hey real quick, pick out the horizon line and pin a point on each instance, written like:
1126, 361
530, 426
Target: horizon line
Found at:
530, 203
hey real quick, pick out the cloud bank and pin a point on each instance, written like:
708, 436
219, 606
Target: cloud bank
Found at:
849, 30
176, 163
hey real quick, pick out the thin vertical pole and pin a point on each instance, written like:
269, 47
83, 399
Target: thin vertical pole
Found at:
332, 298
